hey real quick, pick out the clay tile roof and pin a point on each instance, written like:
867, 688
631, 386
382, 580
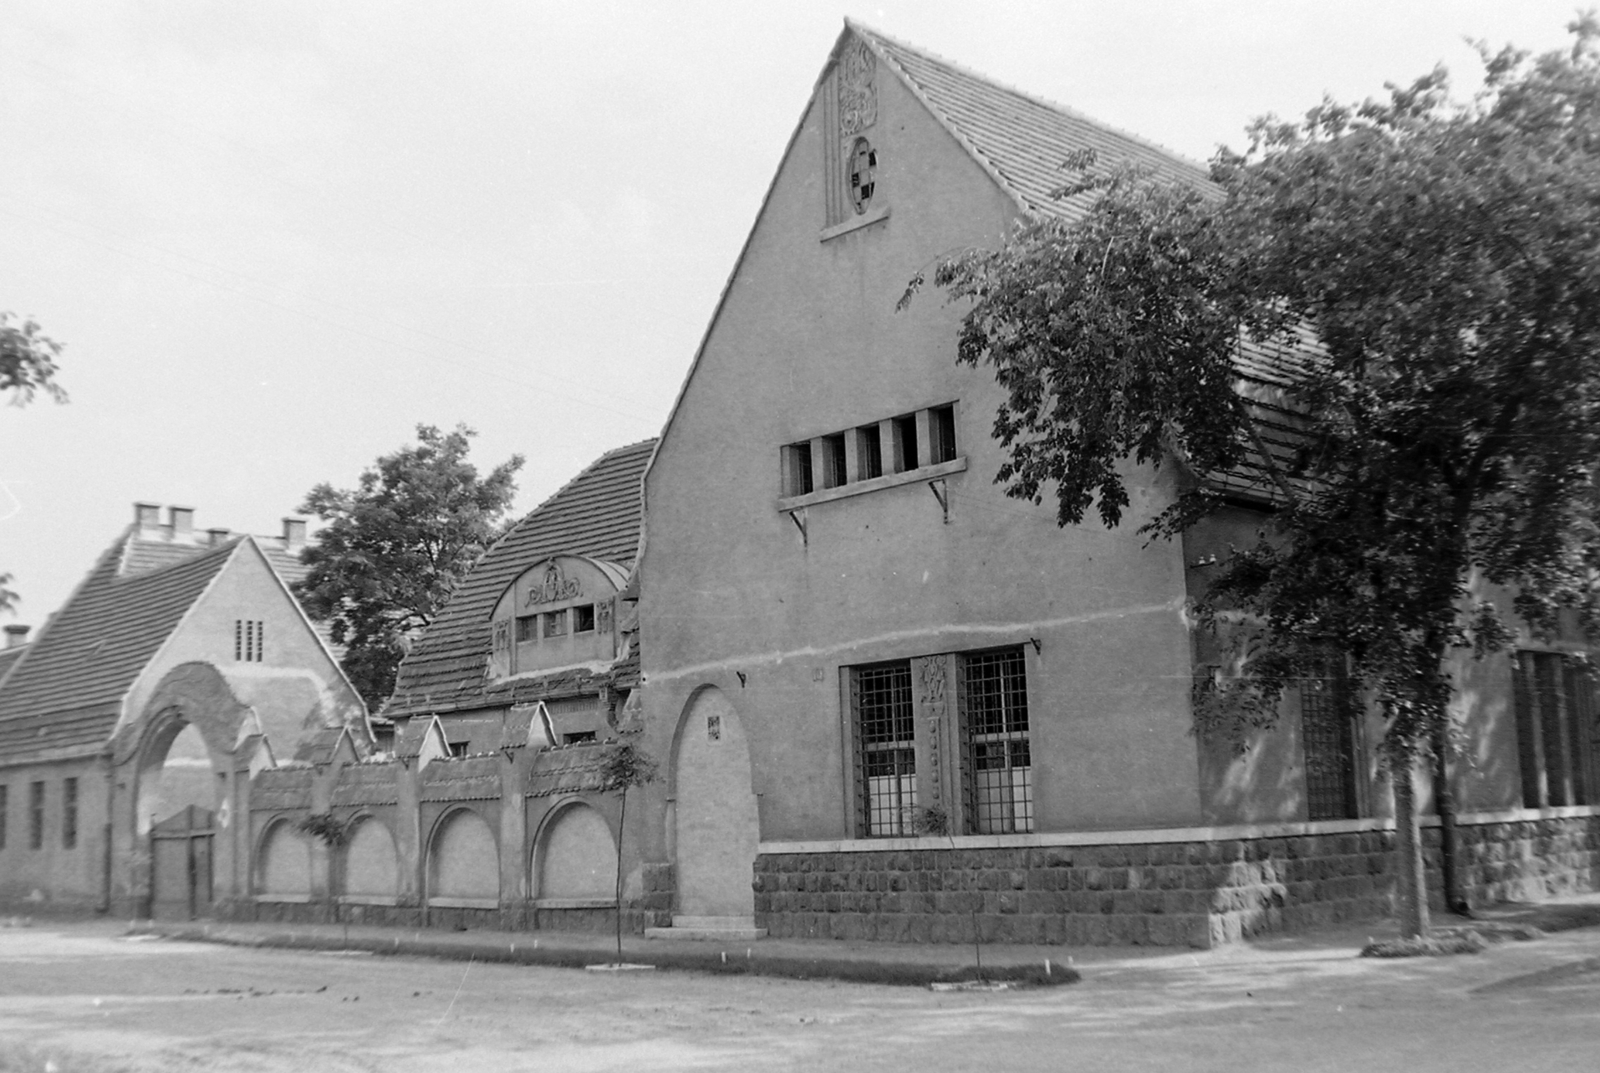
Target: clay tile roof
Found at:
69, 690
1021, 140
596, 514
9, 658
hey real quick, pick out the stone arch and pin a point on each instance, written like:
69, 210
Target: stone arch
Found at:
717, 826
283, 860
371, 863
463, 857
575, 854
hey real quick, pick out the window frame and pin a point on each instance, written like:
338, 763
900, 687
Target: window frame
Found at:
897, 818
1013, 795
36, 807
69, 812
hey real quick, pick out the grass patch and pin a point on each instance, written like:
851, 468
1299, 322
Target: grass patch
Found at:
1442, 945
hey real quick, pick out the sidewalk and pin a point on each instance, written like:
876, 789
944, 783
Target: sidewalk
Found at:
865, 962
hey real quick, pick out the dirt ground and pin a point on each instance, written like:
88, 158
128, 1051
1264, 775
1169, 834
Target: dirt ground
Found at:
83, 998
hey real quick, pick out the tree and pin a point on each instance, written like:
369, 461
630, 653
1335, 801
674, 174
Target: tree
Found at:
27, 364
626, 765
27, 361
396, 546
1433, 267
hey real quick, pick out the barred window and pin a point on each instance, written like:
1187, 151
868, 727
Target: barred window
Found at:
997, 771
1553, 698
1327, 736
886, 759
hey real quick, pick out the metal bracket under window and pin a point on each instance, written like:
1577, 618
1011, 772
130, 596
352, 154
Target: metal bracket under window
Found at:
942, 494
798, 517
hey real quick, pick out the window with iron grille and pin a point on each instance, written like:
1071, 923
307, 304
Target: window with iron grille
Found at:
886, 759
996, 766
36, 815
1553, 699
69, 813
1327, 737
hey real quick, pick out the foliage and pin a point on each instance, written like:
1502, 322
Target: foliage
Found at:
625, 766
1432, 270
395, 547
27, 361
326, 828
27, 364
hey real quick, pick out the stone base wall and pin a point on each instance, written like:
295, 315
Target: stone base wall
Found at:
1198, 893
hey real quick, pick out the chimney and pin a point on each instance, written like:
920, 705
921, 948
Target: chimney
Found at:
217, 536
148, 517
294, 533
181, 522
16, 635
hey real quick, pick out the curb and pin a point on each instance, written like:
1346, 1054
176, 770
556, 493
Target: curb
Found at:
1044, 974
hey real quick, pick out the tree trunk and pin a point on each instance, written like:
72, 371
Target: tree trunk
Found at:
1445, 801
1410, 883
621, 823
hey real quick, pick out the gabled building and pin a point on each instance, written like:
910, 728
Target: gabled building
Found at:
895, 703
124, 718
546, 616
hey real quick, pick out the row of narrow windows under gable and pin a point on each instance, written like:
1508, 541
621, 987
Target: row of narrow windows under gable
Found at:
898, 445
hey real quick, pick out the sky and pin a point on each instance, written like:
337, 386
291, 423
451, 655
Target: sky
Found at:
275, 237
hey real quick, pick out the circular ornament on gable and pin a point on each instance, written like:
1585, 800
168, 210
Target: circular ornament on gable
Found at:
863, 167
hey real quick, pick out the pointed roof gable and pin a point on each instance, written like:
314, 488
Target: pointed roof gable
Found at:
596, 514
1020, 140
67, 692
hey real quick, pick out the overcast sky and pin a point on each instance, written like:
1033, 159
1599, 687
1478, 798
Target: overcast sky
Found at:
274, 237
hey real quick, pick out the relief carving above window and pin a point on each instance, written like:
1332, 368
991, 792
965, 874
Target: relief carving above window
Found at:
560, 612
858, 89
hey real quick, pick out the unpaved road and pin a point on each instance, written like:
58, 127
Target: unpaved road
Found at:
82, 998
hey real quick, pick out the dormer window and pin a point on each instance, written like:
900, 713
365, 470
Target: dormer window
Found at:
558, 613
863, 174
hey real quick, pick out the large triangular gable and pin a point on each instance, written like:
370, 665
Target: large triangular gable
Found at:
1019, 141
68, 692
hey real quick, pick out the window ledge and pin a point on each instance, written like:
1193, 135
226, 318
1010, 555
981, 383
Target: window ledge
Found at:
575, 903
288, 899
464, 903
368, 899
858, 488
871, 216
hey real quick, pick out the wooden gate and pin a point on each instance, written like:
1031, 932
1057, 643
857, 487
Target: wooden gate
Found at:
180, 864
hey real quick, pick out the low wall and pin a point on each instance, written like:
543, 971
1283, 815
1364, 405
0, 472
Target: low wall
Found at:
1220, 886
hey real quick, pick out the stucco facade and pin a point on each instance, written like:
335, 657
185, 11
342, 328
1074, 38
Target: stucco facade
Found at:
934, 686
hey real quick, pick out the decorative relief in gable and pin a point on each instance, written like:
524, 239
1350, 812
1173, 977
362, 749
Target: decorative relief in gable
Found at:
858, 89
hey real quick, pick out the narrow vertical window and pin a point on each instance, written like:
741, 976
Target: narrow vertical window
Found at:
834, 473
69, 813
5, 793
869, 452
797, 469
997, 767
886, 758
905, 443
238, 639
36, 815
942, 431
